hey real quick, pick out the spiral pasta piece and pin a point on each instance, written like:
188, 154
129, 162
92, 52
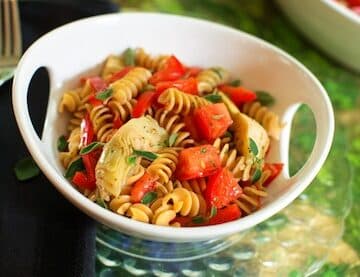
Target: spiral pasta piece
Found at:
73, 148
177, 102
122, 111
196, 185
249, 200
112, 65
238, 165
144, 59
102, 121
209, 79
173, 125
164, 165
184, 202
134, 175
122, 205
129, 86
70, 101
164, 215
268, 119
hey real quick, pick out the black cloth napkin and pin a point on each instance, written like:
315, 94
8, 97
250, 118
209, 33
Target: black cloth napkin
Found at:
41, 233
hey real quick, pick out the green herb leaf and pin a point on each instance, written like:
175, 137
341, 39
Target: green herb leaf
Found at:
91, 147
256, 176
76, 165
217, 71
265, 98
129, 57
101, 203
172, 139
198, 219
149, 197
228, 134
105, 94
131, 160
26, 169
203, 150
253, 147
148, 87
214, 98
213, 211
62, 144
235, 83
146, 154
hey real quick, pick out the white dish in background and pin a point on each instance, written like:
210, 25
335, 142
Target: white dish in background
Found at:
71, 51
331, 26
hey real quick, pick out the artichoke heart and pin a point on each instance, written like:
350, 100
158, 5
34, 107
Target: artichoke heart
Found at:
246, 128
113, 168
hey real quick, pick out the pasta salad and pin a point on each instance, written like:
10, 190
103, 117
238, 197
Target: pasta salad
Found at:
168, 144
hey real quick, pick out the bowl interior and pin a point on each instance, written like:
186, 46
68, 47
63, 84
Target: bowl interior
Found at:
78, 49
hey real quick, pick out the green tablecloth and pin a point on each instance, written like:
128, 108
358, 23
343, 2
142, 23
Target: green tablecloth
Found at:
262, 19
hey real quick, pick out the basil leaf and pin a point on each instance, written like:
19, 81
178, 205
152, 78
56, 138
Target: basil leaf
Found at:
131, 160
213, 211
198, 219
129, 57
26, 169
145, 154
76, 165
235, 83
105, 94
256, 176
228, 134
62, 144
149, 197
91, 147
253, 147
265, 98
148, 87
214, 98
101, 203
172, 139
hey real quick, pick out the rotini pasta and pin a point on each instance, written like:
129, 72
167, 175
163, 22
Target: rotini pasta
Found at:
143, 59
129, 86
166, 150
177, 102
209, 79
268, 119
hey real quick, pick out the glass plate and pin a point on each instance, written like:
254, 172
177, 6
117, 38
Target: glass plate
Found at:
294, 241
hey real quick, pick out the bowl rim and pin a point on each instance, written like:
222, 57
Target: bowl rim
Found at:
150, 231
345, 11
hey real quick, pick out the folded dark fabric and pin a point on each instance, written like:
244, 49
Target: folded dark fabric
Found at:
41, 233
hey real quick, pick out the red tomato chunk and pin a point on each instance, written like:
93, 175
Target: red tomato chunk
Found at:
212, 121
275, 169
221, 189
199, 161
144, 185
239, 95
144, 102
172, 70
229, 213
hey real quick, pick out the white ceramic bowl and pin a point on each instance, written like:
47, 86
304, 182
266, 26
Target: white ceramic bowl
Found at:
331, 26
78, 48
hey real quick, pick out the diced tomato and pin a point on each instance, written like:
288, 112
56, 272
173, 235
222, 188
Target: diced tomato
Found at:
144, 185
221, 189
144, 102
186, 85
191, 128
275, 169
198, 161
238, 95
93, 101
353, 3
212, 121
118, 75
81, 180
87, 131
192, 71
90, 160
229, 213
117, 123
97, 83
172, 70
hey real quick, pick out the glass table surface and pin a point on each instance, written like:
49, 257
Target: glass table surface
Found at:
318, 234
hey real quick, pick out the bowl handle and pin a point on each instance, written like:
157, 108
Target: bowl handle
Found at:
324, 121
21, 82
